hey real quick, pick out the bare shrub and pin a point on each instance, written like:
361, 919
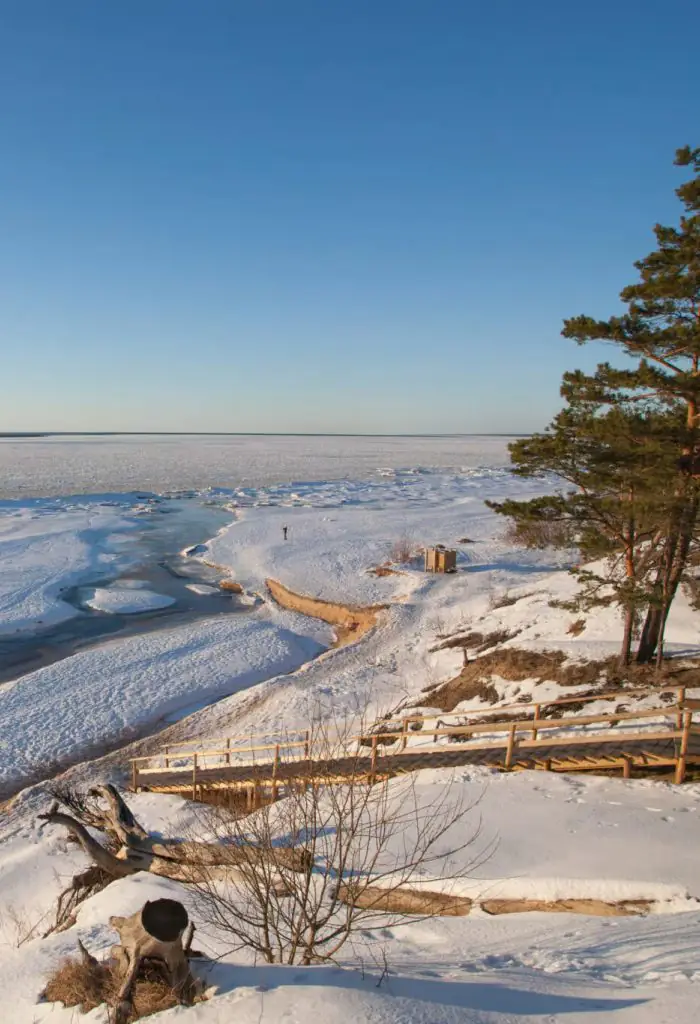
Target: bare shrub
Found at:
404, 550
477, 642
501, 600
358, 834
18, 926
577, 627
506, 599
544, 533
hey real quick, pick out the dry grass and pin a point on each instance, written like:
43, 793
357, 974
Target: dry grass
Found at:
477, 642
231, 586
384, 569
87, 985
506, 599
516, 664
350, 621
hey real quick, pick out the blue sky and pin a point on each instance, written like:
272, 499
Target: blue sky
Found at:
324, 215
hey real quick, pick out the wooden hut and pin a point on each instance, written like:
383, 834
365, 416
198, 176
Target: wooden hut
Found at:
440, 559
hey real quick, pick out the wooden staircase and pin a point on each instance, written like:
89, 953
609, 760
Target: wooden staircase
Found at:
250, 771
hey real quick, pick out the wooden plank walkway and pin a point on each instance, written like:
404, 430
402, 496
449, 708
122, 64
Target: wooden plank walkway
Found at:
617, 740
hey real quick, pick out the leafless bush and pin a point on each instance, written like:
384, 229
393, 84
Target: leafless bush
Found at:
505, 599
577, 627
403, 550
18, 926
542, 534
360, 836
502, 599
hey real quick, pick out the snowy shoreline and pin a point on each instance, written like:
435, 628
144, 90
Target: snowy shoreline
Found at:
549, 836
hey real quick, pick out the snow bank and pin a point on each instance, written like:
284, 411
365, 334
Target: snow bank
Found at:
87, 702
337, 533
470, 970
125, 600
46, 548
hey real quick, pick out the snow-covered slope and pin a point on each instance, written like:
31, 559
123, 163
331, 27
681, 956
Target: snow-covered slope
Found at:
555, 835
89, 702
46, 547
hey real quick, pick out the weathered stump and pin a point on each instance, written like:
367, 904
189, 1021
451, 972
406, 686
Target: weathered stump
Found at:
153, 933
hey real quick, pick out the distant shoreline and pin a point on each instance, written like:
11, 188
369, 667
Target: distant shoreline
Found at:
219, 433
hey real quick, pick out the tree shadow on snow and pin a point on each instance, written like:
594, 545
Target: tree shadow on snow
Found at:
493, 997
515, 567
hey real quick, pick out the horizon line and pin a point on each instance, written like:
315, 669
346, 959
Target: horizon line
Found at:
9, 435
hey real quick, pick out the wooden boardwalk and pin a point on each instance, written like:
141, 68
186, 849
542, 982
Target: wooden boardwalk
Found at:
547, 739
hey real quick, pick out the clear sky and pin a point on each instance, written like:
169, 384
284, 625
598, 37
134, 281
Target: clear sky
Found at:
324, 215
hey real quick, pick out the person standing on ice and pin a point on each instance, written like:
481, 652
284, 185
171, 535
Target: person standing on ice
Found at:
284, 531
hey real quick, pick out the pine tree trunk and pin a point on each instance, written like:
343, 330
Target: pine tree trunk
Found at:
650, 635
677, 551
625, 650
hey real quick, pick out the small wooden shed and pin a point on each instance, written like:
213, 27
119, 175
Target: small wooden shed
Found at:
440, 559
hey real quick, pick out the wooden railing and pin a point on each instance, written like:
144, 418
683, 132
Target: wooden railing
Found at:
410, 735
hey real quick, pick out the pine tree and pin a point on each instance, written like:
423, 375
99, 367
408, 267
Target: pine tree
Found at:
661, 333
613, 460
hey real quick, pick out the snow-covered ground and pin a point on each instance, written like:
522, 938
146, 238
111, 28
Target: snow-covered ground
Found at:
556, 836
47, 546
152, 462
83, 705
128, 597
337, 531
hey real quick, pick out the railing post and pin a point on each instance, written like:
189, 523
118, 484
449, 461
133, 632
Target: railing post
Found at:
194, 777
626, 767
228, 750
307, 745
681, 701
167, 759
275, 766
535, 721
134, 776
681, 761
373, 770
404, 734
509, 748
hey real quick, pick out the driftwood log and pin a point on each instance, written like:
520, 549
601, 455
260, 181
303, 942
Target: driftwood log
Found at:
129, 848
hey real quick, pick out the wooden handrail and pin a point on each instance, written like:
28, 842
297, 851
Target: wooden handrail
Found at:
494, 709
575, 699
534, 725
527, 724
191, 744
184, 754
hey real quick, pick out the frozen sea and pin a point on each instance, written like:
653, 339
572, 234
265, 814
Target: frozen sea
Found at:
85, 464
